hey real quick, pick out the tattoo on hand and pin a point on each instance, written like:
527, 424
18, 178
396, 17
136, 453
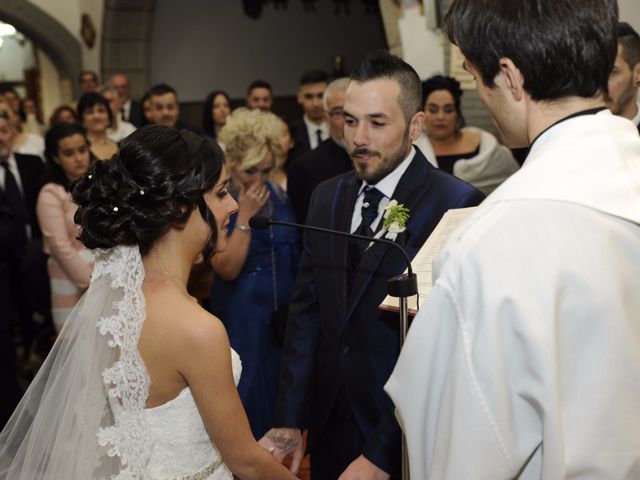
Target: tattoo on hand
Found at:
283, 442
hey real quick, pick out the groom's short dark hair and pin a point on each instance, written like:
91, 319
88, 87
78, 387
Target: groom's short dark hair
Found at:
381, 64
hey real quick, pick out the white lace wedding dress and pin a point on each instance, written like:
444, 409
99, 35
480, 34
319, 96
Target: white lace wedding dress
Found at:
181, 446
167, 442
84, 417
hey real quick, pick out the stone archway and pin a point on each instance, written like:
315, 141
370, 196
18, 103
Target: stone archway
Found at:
47, 34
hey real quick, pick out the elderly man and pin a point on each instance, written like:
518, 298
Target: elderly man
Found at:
130, 110
524, 361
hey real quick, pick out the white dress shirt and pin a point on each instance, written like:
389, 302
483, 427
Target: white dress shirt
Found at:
312, 128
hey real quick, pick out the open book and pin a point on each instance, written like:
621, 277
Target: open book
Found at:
422, 263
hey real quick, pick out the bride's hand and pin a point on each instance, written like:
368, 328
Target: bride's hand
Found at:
283, 443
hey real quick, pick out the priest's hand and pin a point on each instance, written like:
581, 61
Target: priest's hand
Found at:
363, 469
283, 443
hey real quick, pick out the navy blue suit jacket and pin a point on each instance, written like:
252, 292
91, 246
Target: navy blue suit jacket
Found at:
336, 335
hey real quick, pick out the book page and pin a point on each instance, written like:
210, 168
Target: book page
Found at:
422, 263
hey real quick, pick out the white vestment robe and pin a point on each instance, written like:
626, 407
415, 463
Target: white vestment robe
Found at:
524, 361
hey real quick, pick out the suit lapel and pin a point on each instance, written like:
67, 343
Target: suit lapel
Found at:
413, 185
342, 206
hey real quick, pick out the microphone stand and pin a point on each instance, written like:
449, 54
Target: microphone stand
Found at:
401, 286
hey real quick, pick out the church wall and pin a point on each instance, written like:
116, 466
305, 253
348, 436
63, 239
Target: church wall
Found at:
202, 46
68, 13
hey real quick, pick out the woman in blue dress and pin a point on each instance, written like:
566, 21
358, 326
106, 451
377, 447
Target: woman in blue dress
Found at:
255, 275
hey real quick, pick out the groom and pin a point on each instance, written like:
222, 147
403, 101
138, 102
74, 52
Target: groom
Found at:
340, 349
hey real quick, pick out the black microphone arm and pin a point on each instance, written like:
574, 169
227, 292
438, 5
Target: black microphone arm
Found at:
396, 287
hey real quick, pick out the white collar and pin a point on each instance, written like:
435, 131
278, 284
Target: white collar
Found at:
312, 127
590, 160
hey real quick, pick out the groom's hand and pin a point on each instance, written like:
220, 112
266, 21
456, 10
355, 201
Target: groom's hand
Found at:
363, 469
283, 443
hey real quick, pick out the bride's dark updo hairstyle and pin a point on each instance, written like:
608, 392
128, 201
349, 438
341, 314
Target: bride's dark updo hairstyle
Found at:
152, 185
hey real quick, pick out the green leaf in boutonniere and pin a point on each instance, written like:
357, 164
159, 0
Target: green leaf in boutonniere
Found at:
395, 220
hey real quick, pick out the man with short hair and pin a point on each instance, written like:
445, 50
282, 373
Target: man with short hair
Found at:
326, 161
259, 95
11, 96
624, 79
88, 81
311, 129
340, 348
130, 109
119, 128
524, 361
165, 108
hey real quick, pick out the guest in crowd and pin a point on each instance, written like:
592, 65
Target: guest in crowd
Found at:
24, 143
255, 274
147, 111
10, 390
259, 95
279, 174
31, 118
624, 79
88, 81
165, 108
70, 263
21, 179
311, 129
12, 98
130, 109
120, 128
216, 109
96, 117
63, 114
469, 153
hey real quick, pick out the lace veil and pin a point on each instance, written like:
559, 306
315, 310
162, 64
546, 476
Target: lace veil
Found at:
81, 418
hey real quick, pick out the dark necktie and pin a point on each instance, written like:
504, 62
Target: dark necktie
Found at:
319, 136
122, 115
369, 211
15, 201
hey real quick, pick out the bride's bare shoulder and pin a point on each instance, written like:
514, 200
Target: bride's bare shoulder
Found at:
178, 316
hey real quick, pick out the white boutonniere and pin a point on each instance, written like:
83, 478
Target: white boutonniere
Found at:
395, 219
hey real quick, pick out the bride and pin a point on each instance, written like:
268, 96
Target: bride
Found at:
141, 383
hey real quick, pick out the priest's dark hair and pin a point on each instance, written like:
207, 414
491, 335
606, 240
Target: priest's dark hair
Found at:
562, 47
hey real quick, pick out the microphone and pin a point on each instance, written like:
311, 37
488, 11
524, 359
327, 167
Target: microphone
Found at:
400, 286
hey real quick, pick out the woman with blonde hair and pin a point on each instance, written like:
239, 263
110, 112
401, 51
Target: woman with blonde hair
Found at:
255, 274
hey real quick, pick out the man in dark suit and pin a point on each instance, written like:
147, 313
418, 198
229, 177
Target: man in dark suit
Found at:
340, 348
11, 392
21, 178
326, 161
131, 110
624, 80
311, 129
